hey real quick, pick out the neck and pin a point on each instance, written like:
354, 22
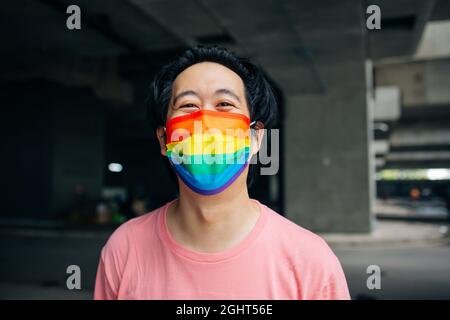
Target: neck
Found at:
216, 222
214, 208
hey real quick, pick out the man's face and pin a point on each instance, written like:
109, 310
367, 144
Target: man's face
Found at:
207, 86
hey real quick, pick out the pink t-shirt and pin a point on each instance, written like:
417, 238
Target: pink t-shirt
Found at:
277, 260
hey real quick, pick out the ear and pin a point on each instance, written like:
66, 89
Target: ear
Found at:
161, 136
257, 137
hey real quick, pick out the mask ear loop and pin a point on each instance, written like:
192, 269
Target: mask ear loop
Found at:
164, 136
252, 132
255, 126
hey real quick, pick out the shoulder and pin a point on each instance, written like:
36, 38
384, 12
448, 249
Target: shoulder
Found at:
126, 235
308, 248
316, 268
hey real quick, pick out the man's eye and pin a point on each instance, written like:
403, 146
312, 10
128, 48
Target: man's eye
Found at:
189, 105
225, 104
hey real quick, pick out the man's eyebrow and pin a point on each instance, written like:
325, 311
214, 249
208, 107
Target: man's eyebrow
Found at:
184, 93
228, 92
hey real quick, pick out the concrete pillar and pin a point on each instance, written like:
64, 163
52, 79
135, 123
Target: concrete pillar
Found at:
329, 183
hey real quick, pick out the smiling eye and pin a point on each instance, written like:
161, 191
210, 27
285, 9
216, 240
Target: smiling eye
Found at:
225, 104
189, 105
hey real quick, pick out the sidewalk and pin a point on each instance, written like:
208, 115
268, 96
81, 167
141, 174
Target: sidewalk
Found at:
384, 232
394, 233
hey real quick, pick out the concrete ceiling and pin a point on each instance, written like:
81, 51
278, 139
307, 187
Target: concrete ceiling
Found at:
34, 30
304, 46
289, 39
261, 29
293, 40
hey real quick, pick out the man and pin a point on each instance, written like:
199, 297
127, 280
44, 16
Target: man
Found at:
214, 242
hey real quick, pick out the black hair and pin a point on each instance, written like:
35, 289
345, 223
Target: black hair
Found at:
259, 93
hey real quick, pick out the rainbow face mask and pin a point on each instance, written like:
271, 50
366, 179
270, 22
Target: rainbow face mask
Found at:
208, 149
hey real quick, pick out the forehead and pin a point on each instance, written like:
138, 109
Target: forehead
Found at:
207, 76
